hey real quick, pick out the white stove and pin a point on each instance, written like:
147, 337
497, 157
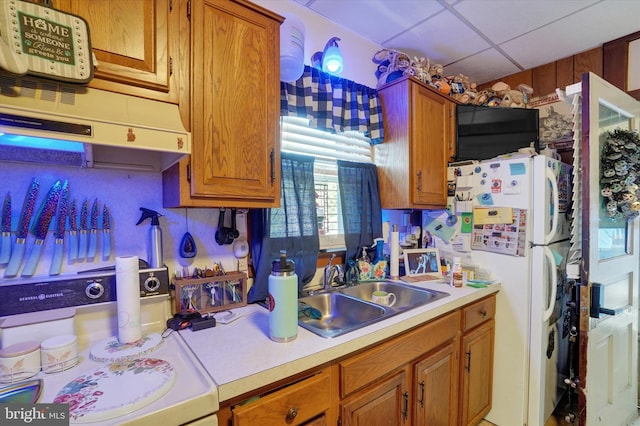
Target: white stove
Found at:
187, 394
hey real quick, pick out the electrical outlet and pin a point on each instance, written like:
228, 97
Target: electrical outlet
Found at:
243, 264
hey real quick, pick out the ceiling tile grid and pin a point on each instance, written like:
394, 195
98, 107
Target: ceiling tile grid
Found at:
485, 39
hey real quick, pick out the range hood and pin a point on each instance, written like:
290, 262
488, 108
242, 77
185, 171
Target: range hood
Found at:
49, 122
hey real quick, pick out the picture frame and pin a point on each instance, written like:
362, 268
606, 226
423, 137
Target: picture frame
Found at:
422, 262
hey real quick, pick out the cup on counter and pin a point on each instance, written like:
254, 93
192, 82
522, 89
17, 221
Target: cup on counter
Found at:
383, 298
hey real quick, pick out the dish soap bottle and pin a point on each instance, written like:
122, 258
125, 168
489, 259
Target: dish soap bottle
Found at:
283, 300
380, 262
366, 272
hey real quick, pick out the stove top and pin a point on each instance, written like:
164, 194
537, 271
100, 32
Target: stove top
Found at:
192, 394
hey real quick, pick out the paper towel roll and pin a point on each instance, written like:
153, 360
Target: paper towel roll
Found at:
128, 299
394, 249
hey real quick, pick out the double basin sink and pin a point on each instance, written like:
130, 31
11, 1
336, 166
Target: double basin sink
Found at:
347, 309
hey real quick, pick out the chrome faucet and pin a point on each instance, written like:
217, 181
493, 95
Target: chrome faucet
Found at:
331, 273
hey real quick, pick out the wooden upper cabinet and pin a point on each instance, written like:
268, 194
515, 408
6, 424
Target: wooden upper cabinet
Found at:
235, 109
419, 138
133, 43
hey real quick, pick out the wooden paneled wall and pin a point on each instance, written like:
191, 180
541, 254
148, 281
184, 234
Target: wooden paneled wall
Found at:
545, 78
610, 61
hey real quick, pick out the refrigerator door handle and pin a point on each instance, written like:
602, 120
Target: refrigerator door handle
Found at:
553, 283
551, 177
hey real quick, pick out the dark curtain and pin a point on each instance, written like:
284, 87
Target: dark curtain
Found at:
361, 209
292, 227
333, 104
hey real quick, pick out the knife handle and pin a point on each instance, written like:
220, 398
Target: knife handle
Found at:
16, 258
93, 241
82, 246
5, 248
73, 245
56, 262
106, 244
30, 267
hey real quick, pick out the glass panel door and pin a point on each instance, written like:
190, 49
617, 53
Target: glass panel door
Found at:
615, 180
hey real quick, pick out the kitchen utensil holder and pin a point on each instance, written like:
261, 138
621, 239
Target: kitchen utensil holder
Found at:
211, 294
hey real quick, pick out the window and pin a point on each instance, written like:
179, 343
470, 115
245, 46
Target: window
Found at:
298, 137
330, 227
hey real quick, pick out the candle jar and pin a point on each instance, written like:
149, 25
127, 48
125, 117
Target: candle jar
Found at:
59, 353
19, 361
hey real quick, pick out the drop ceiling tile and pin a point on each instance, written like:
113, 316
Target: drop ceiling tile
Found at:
509, 19
443, 39
377, 20
483, 66
575, 34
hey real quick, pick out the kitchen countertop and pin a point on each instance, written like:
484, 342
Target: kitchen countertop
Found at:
240, 357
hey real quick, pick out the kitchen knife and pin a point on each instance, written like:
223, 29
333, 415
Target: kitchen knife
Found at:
73, 231
82, 232
59, 230
5, 230
40, 227
93, 231
23, 229
106, 232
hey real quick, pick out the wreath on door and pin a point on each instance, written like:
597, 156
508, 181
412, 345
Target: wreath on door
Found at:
619, 170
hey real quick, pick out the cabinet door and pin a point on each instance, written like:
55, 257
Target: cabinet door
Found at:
435, 385
236, 99
477, 373
383, 404
431, 116
131, 42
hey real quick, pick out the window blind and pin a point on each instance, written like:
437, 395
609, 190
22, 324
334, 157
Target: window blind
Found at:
297, 137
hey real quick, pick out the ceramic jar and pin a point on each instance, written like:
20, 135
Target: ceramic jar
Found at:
59, 353
19, 361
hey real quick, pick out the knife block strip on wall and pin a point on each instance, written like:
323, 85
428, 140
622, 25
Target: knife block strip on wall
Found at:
211, 294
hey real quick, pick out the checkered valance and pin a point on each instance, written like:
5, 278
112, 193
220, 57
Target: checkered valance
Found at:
333, 103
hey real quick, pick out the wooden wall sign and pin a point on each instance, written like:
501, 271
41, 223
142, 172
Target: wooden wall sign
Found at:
44, 41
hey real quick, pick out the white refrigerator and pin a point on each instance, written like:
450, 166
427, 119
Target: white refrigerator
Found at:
527, 256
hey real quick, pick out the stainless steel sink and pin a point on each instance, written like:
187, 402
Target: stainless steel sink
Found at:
333, 314
340, 311
407, 297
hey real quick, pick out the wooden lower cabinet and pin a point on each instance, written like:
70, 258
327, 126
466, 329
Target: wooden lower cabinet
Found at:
437, 374
476, 375
435, 387
396, 382
385, 403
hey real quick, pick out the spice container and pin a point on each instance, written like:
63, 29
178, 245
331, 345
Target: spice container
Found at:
59, 353
19, 361
456, 272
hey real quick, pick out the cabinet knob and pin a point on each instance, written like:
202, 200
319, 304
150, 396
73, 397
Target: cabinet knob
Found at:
483, 312
291, 414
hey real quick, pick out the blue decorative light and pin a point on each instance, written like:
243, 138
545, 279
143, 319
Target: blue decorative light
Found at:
329, 60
